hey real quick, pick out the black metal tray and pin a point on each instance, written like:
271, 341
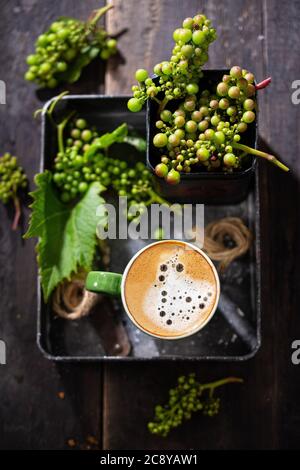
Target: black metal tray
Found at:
234, 332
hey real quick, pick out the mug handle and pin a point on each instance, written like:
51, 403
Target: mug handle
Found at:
102, 282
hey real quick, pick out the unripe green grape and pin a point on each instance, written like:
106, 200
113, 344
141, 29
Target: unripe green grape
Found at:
242, 127
159, 124
134, 105
42, 40
174, 140
250, 90
157, 69
179, 133
223, 103
196, 116
179, 121
69, 55
75, 133
236, 72
209, 134
32, 59
219, 138
187, 50
61, 66
203, 125
176, 34
226, 78
203, 154
242, 84
248, 104
81, 124
214, 104
63, 33
173, 177
112, 44
222, 89
231, 111
189, 105
204, 110
86, 135
29, 76
151, 91
229, 159
234, 92
161, 170
166, 115
160, 140
215, 120
199, 38
185, 35
248, 117
192, 88
188, 23
166, 68
191, 126
249, 77
44, 68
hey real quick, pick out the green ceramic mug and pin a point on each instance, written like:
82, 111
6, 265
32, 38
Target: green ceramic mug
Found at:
170, 289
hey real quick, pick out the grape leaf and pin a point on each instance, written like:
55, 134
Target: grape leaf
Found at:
106, 140
137, 142
67, 235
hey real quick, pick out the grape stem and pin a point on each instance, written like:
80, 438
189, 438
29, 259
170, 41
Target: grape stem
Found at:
261, 154
211, 386
263, 84
96, 15
60, 132
17, 213
162, 105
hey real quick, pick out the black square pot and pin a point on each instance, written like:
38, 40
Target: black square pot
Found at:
202, 186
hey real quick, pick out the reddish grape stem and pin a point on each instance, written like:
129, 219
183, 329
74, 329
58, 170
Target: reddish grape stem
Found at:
259, 153
17, 213
263, 84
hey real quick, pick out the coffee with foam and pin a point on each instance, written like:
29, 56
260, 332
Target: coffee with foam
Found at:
171, 289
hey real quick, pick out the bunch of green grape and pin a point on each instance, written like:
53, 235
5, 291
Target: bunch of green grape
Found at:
187, 397
180, 75
205, 129
12, 181
74, 170
12, 178
63, 50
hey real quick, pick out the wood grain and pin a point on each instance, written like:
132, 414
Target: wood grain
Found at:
31, 414
241, 40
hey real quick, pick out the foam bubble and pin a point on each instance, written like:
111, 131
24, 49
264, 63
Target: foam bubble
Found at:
177, 313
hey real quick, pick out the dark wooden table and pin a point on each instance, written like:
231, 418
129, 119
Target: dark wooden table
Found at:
114, 402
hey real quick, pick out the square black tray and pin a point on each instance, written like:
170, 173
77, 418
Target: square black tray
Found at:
232, 335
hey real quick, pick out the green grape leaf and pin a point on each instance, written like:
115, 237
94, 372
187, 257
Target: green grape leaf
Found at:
74, 70
67, 235
106, 140
139, 143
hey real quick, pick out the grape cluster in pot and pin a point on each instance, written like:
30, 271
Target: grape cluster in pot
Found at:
180, 75
205, 129
67, 45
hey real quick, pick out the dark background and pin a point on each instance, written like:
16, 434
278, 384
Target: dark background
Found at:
113, 402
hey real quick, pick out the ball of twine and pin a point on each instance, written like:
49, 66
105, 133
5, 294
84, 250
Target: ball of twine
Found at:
70, 299
215, 234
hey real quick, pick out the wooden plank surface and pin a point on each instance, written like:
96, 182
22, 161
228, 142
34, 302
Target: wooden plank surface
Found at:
263, 413
31, 414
